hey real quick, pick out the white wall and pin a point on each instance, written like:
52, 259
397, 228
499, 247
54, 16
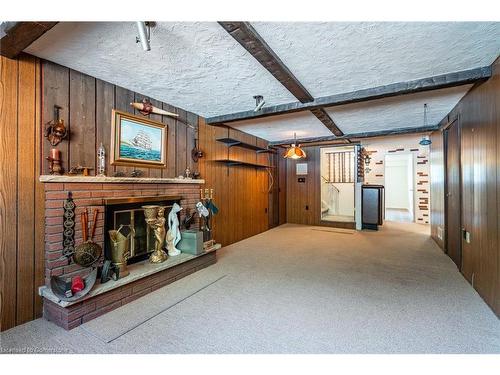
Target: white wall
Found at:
346, 199
396, 183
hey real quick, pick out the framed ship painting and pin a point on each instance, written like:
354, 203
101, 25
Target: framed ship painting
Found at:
137, 141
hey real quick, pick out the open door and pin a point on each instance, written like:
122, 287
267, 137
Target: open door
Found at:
453, 203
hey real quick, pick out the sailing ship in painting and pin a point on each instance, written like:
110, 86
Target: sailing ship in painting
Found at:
138, 142
142, 140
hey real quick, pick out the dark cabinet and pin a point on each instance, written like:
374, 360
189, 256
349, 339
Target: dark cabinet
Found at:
372, 197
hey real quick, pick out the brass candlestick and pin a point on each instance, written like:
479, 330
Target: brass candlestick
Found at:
155, 218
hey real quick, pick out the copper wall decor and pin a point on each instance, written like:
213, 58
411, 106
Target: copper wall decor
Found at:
55, 130
196, 153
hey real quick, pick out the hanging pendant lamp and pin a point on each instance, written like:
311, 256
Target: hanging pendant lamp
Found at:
294, 151
425, 141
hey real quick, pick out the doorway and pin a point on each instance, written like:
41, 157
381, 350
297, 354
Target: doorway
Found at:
338, 176
399, 188
453, 201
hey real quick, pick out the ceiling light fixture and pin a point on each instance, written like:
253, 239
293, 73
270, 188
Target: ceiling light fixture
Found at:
259, 102
425, 141
144, 37
294, 151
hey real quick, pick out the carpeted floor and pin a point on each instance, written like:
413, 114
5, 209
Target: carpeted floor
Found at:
295, 289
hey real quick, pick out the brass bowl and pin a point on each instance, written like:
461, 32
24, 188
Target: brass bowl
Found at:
150, 211
87, 253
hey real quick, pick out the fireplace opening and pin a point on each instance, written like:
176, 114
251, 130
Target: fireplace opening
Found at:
129, 213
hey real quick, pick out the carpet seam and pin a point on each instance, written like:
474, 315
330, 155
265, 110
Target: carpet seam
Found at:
155, 315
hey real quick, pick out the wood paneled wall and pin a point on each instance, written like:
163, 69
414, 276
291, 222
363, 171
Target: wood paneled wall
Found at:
28, 92
21, 195
478, 115
240, 193
87, 103
436, 179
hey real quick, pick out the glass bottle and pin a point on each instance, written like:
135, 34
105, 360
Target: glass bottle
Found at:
101, 161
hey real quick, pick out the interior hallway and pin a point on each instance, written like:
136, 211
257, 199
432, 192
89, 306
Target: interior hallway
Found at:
296, 289
398, 214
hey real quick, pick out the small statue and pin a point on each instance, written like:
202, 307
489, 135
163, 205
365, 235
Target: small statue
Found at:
157, 223
174, 232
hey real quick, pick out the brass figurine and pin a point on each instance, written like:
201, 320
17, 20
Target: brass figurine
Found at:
155, 218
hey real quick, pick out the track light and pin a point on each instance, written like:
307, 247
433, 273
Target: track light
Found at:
259, 102
144, 29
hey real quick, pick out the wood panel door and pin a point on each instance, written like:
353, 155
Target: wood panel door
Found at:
453, 194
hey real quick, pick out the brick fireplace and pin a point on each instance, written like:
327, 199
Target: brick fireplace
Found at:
92, 193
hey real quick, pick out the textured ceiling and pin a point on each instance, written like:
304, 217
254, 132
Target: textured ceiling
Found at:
335, 57
199, 67
193, 65
277, 128
406, 111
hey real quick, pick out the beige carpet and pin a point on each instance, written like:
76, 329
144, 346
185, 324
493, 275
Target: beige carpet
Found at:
296, 289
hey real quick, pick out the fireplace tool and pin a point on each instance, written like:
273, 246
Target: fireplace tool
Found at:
88, 252
120, 252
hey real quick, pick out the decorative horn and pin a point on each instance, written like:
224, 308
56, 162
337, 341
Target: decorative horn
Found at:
147, 108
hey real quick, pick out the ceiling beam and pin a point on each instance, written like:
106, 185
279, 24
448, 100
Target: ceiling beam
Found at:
248, 37
402, 88
397, 131
322, 116
21, 35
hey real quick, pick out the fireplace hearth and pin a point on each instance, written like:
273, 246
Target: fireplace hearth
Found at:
129, 212
117, 200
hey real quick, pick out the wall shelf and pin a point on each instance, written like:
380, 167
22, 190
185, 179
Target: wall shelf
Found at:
230, 163
231, 142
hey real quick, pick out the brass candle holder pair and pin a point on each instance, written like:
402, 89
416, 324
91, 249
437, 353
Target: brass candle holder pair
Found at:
155, 218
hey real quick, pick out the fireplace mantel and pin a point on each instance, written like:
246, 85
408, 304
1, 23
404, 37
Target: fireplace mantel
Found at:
120, 180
